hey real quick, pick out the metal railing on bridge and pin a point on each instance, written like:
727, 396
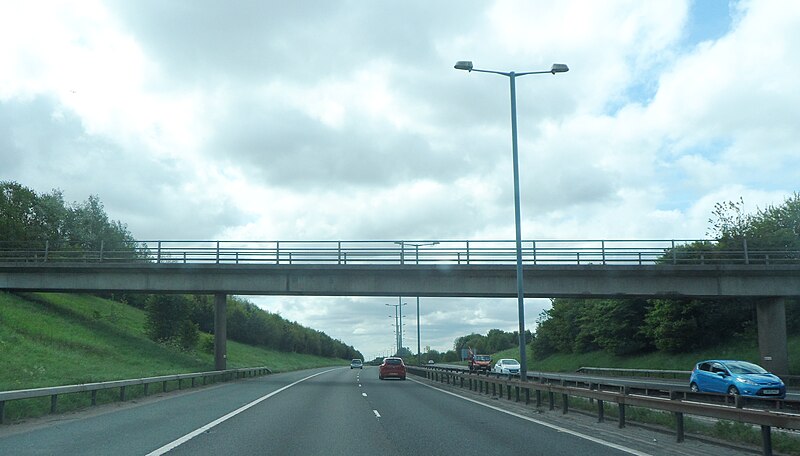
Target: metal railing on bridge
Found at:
418, 252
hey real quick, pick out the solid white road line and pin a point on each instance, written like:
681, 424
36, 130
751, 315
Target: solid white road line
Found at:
542, 423
195, 433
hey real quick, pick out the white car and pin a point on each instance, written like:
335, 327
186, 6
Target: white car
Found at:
506, 366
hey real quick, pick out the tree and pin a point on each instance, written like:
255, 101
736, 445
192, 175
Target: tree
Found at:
168, 321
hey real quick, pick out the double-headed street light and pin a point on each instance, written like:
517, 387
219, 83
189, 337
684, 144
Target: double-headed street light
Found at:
556, 68
416, 245
398, 322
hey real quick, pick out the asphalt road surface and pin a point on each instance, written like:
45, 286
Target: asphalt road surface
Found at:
314, 412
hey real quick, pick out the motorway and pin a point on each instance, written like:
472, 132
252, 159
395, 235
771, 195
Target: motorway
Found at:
323, 412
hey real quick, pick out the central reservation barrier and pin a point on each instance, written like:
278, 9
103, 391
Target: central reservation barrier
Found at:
764, 412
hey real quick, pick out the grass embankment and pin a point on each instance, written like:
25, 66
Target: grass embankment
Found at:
49, 339
745, 349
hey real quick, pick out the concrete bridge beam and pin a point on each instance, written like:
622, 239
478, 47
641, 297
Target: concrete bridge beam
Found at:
772, 344
220, 331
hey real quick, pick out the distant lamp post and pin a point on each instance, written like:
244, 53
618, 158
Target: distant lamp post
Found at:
398, 323
466, 65
416, 245
396, 328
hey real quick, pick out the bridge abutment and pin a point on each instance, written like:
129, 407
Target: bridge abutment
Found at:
220, 330
772, 345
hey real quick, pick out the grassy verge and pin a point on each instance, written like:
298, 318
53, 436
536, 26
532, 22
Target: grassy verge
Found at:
744, 349
49, 339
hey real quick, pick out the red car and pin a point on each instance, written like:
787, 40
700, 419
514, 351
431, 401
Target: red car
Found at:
392, 367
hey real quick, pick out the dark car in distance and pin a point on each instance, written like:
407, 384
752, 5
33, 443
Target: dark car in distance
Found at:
392, 367
735, 377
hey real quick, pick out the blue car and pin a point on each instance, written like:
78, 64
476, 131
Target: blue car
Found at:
735, 377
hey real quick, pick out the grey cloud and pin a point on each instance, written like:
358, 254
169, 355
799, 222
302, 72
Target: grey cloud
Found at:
303, 39
45, 146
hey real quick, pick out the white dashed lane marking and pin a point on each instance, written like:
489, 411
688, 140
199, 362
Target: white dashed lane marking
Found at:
377, 415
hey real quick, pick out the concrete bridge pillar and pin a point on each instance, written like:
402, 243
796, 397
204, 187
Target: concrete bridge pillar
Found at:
772, 346
220, 331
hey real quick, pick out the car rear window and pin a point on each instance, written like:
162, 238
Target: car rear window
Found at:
394, 362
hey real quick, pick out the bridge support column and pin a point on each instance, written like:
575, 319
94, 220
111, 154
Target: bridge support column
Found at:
220, 331
772, 346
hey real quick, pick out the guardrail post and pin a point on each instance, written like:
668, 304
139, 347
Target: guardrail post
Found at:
527, 395
217, 252
516, 393
508, 392
621, 415
601, 411
53, 403
603, 250
102, 246
158, 253
94, 397
766, 440
467, 254
146, 389
565, 404
46, 250
674, 254
2, 411
164, 386
552, 399
339, 252
679, 427
746, 256
533, 247
122, 394
277, 252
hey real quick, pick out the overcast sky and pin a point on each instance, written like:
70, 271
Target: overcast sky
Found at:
345, 120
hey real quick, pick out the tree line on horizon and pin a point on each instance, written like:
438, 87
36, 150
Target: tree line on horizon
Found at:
635, 326
178, 320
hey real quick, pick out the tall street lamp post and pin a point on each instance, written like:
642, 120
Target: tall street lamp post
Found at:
556, 68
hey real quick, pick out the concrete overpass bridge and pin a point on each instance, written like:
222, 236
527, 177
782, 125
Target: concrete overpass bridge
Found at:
552, 268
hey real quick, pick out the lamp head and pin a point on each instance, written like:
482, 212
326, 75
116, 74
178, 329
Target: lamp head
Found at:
559, 68
463, 65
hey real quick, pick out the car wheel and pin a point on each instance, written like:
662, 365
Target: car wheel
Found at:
380, 377
694, 387
733, 391
402, 378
